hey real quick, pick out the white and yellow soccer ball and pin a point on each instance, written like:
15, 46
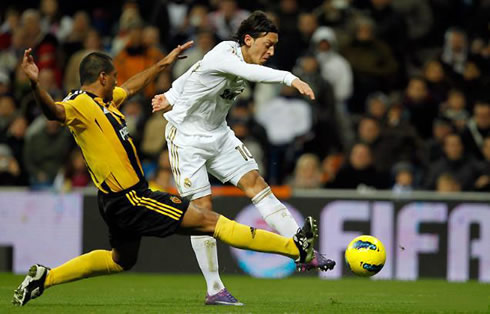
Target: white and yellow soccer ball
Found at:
365, 256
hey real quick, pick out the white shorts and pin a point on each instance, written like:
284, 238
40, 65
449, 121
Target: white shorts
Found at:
220, 153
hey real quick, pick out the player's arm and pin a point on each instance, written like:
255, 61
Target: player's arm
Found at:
262, 74
51, 110
137, 82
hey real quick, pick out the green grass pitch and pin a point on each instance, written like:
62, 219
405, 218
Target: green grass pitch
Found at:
157, 293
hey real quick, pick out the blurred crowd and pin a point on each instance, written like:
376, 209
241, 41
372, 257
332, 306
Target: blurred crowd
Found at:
402, 89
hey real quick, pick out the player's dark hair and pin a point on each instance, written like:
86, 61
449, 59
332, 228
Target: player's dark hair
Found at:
255, 25
92, 65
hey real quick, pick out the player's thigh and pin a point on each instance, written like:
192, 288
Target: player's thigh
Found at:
187, 160
233, 161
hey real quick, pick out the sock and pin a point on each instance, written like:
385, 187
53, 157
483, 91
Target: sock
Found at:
207, 257
246, 237
275, 213
92, 264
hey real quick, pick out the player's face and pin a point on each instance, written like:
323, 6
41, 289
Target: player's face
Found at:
262, 48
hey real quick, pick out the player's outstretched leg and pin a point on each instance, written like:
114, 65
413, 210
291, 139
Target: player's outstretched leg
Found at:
32, 286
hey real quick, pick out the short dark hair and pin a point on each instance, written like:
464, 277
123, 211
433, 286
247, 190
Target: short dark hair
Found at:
255, 25
92, 65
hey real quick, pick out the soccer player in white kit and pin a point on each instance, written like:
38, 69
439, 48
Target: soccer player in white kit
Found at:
200, 141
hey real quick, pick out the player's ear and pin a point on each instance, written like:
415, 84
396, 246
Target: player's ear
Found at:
102, 78
248, 40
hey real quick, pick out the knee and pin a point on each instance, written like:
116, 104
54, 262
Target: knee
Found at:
204, 204
126, 263
206, 219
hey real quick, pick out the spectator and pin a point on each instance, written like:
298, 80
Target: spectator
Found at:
372, 62
14, 137
135, 117
482, 184
336, 14
10, 23
307, 173
377, 105
447, 183
436, 80
289, 48
359, 172
4, 84
9, 167
43, 164
454, 109
307, 25
204, 42
52, 20
151, 37
226, 19
335, 68
418, 18
7, 112
44, 45
455, 52
391, 27
330, 167
325, 116
285, 119
474, 84
387, 147
10, 56
130, 18
434, 146
74, 174
464, 168
47, 80
420, 106
404, 178
477, 128
79, 31
153, 134
136, 57
252, 134
91, 43
337, 71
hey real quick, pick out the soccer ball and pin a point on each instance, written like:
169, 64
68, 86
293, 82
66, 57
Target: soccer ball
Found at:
365, 256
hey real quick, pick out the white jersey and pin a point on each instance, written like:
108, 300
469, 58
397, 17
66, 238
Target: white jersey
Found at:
202, 96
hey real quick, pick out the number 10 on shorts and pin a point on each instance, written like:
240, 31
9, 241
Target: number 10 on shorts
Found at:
246, 154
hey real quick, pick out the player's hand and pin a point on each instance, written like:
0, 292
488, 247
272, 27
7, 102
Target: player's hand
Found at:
175, 54
29, 66
160, 103
303, 88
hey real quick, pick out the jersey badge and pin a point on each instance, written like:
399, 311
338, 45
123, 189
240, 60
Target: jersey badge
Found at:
175, 199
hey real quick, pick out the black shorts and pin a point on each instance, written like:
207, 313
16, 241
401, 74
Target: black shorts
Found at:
139, 211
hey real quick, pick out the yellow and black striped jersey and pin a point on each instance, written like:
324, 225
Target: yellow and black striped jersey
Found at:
99, 128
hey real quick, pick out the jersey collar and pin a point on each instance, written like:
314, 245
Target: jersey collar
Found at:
239, 51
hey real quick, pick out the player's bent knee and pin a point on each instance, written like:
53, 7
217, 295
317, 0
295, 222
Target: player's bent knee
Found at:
126, 264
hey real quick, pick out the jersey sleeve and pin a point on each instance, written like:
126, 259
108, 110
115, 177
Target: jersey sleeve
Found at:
119, 95
231, 64
73, 116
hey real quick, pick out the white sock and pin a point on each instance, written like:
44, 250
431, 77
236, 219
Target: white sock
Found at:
275, 213
207, 257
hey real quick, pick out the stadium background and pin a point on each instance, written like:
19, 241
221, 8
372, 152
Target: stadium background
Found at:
402, 105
